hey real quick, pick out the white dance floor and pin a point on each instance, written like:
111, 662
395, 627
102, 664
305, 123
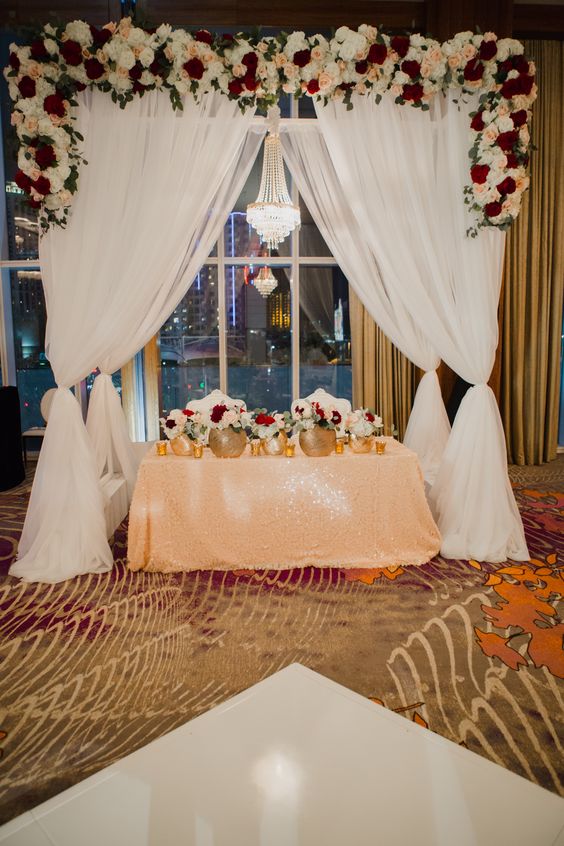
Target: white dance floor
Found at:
297, 759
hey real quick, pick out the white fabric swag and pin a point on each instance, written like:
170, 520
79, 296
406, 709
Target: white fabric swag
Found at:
157, 189
312, 167
403, 171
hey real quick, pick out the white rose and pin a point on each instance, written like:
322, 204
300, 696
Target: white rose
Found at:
146, 56
51, 46
126, 58
79, 31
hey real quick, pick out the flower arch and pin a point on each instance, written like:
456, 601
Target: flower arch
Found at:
125, 61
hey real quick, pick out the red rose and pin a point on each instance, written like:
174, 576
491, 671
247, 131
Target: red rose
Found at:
38, 51
506, 140
525, 83
94, 69
318, 410
512, 160
479, 173
412, 92
188, 412
136, 71
55, 105
264, 419
23, 181
26, 87
370, 417
487, 50
336, 417
507, 186
493, 209
251, 82
235, 87
411, 68
194, 68
137, 88
170, 424
35, 204
302, 58
377, 54
80, 86
506, 65
14, 62
156, 68
313, 86
519, 118
361, 67
227, 37
250, 60
400, 43
217, 413
510, 88
71, 51
521, 64
100, 36
204, 36
41, 185
474, 70
45, 156
477, 122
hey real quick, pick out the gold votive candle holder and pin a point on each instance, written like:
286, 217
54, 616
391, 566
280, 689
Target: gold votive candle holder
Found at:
255, 447
380, 447
198, 450
289, 450
161, 447
339, 447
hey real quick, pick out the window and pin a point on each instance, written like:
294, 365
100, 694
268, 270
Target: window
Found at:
263, 349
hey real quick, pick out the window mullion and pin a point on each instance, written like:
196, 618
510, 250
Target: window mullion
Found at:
221, 306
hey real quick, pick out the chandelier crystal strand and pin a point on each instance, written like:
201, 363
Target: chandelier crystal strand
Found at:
272, 214
265, 282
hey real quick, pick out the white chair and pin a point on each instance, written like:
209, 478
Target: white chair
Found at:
39, 431
205, 405
216, 397
342, 405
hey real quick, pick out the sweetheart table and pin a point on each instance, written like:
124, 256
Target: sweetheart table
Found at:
273, 512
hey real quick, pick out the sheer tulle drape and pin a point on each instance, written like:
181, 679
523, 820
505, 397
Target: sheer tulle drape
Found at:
403, 171
158, 187
313, 168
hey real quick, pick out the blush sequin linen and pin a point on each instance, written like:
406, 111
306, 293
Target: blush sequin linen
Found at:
273, 512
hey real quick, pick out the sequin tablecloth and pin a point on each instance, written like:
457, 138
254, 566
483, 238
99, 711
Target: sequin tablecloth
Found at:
276, 512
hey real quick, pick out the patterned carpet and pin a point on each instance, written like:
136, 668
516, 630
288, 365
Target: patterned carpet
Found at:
99, 666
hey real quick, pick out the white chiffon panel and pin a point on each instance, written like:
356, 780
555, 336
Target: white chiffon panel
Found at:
404, 171
312, 167
157, 189
65, 530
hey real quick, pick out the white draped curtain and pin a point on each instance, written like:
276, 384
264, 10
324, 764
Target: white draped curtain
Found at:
157, 189
328, 201
402, 171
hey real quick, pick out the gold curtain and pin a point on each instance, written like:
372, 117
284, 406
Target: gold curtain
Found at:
383, 378
531, 312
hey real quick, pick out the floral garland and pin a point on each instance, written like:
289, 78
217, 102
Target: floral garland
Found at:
125, 60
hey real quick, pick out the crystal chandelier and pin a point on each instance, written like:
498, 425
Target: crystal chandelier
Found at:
272, 214
265, 282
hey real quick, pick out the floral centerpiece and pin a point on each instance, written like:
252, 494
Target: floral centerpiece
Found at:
361, 426
228, 423
181, 426
316, 424
271, 429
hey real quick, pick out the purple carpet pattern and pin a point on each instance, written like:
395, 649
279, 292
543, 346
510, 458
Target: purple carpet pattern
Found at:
96, 667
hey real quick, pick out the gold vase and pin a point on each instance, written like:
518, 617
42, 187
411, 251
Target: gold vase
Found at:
361, 443
275, 445
317, 442
227, 443
182, 445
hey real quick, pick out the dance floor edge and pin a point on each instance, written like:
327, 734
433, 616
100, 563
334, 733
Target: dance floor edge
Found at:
296, 759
